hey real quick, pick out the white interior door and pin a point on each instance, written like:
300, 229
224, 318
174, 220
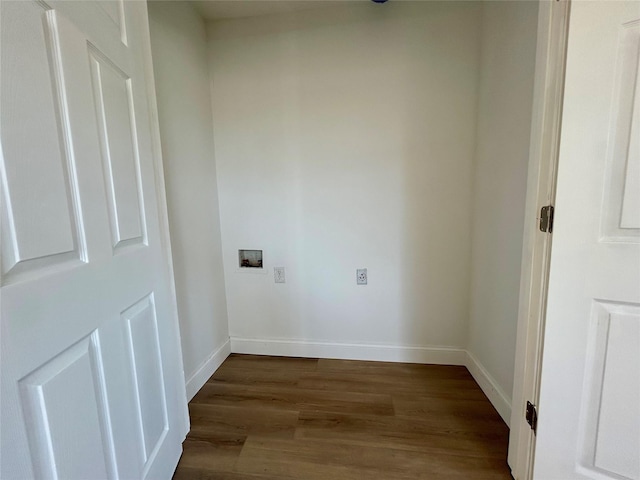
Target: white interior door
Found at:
589, 412
91, 372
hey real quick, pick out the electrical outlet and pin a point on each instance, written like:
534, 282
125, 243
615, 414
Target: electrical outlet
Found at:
361, 276
278, 274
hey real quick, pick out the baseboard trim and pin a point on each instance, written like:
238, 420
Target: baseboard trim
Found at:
206, 369
348, 351
490, 387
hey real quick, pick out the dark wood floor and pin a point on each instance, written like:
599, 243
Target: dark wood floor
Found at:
265, 418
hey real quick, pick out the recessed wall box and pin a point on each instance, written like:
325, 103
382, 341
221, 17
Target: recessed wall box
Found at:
250, 258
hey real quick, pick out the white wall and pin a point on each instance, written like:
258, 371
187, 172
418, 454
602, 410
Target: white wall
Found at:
344, 138
504, 121
392, 137
180, 59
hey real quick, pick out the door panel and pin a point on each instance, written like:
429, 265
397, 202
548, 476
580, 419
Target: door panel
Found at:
92, 382
115, 11
589, 412
114, 101
39, 194
144, 357
612, 395
621, 215
48, 400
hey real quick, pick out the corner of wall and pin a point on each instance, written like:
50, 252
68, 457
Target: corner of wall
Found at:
207, 368
474, 175
500, 170
498, 398
181, 67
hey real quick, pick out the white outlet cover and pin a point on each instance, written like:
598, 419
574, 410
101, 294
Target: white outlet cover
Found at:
278, 274
361, 276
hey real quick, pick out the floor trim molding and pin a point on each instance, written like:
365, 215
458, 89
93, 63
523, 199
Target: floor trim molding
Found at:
490, 387
348, 351
207, 368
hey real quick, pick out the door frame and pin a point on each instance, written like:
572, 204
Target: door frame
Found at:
553, 27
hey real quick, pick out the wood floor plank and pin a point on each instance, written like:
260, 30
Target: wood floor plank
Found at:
189, 473
268, 418
226, 423
287, 398
436, 435
413, 370
269, 363
209, 456
238, 375
387, 384
321, 460
420, 406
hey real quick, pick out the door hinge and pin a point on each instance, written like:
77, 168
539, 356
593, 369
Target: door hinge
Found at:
532, 416
546, 219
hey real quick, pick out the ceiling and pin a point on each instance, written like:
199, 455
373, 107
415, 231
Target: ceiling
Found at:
221, 9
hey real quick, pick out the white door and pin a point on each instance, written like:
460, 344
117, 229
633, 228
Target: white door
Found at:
91, 371
589, 412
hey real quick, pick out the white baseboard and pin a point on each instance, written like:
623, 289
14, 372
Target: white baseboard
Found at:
490, 387
348, 351
206, 369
